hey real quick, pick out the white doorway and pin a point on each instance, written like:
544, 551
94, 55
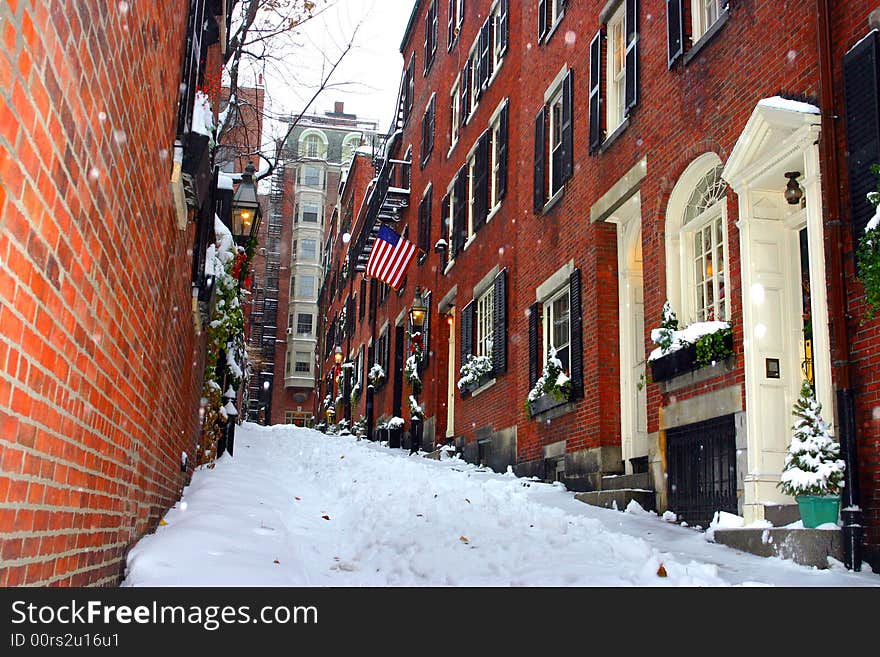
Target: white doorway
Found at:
451, 377
631, 314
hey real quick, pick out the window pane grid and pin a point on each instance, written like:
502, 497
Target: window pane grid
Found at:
484, 324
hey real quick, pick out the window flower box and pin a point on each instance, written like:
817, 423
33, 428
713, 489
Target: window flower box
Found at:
686, 358
544, 403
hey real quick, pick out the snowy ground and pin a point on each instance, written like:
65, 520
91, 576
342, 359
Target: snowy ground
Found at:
298, 508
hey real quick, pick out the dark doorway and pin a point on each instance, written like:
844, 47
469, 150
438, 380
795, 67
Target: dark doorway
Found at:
701, 464
397, 403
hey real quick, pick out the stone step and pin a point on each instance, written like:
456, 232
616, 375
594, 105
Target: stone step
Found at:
619, 498
641, 480
808, 547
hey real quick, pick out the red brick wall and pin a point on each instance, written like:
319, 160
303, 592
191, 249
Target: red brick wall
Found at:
100, 369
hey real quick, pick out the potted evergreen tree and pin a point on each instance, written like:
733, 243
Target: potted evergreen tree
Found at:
813, 471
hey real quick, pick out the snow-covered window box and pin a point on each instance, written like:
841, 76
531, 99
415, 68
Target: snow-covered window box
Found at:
474, 373
684, 350
552, 389
376, 375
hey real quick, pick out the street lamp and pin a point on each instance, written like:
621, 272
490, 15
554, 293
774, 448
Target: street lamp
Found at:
418, 313
246, 212
337, 355
266, 406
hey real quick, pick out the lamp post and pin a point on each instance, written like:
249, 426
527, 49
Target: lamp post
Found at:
267, 405
228, 441
418, 312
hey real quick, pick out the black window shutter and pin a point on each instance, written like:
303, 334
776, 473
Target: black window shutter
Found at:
499, 323
534, 346
450, 26
542, 18
467, 331
424, 147
503, 26
674, 30
862, 96
596, 91
631, 91
465, 91
540, 148
431, 115
349, 316
445, 227
481, 184
459, 212
426, 334
427, 40
502, 152
374, 298
567, 126
576, 326
410, 79
363, 295
485, 56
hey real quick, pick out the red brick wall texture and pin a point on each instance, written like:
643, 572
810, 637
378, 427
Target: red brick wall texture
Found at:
100, 364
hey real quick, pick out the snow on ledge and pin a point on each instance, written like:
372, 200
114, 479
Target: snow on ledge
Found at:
777, 102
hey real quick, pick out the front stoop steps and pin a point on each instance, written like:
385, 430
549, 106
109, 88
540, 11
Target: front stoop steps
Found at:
617, 491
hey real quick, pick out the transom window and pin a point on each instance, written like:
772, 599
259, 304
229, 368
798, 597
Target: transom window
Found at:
616, 69
484, 323
704, 228
557, 328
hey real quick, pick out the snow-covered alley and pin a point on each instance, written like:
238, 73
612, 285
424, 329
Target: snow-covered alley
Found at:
295, 507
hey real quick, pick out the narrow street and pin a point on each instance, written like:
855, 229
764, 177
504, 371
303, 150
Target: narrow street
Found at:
295, 507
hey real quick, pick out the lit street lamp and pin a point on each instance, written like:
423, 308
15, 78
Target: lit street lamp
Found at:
418, 313
246, 212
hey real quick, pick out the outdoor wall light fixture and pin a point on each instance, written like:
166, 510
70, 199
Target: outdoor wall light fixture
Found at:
419, 310
337, 355
793, 191
246, 213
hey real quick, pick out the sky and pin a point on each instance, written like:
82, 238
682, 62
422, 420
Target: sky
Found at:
367, 80
295, 507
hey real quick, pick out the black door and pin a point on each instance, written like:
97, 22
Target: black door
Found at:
397, 404
701, 467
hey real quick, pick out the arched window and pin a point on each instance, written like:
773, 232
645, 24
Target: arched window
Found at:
313, 144
696, 243
349, 146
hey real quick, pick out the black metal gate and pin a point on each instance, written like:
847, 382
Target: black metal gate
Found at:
701, 468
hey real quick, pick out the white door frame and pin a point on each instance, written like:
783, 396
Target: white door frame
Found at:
777, 139
451, 386
633, 400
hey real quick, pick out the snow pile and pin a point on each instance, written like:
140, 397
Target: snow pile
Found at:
777, 102
298, 508
473, 370
203, 115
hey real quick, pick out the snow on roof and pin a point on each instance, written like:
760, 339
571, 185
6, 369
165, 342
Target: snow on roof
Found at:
777, 102
224, 181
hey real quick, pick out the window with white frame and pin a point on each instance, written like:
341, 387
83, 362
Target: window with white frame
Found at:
349, 146
557, 327
311, 211
453, 26
550, 12
454, 118
500, 31
303, 363
304, 323
704, 13
311, 145
471, 193
616, 69
484, 323
705, 251
308, 249
306, 289
555, 112
311, 176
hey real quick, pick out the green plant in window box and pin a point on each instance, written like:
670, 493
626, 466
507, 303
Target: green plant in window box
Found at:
714, 347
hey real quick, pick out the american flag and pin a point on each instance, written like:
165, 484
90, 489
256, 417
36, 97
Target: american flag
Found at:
390, 257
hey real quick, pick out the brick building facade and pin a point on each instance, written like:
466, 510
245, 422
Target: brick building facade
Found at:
102, 341
569, 168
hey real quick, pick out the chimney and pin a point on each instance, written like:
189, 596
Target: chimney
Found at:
339, 107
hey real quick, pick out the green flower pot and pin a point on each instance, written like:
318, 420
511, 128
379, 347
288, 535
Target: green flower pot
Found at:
817, 510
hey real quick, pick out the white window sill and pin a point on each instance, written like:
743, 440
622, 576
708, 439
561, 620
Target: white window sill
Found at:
483, 387
452, 148
493, 212
448, 267
553, 200
470, 241
498, 66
